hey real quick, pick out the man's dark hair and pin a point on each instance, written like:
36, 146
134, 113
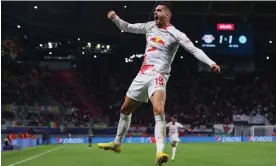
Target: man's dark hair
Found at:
167, 4
174, 117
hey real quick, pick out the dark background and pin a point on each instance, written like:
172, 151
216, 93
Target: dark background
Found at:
93, 70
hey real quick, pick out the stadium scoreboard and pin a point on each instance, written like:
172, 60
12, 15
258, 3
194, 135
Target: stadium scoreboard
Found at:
227, 39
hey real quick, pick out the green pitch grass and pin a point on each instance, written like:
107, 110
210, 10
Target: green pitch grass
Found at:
201, 154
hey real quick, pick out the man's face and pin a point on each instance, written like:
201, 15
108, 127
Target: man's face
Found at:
173, 119
160, 15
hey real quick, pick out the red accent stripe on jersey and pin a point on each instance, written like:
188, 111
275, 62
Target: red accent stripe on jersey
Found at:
151, 49
165, 27
145, 68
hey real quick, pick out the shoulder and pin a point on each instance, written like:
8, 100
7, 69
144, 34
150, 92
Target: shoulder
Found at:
150, 25
178, 124
175, 32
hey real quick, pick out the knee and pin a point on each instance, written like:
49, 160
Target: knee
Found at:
158, 110
125, 110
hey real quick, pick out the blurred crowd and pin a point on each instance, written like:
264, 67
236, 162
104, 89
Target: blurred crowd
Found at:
195, 98
50, 95
199, 98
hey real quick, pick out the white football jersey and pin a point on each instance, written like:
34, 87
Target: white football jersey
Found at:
162, 45
173, 128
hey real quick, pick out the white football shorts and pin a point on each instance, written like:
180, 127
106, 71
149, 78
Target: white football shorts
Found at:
174, 137
144, 85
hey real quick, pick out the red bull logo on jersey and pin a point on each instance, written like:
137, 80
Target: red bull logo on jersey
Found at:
157, 40
259, 139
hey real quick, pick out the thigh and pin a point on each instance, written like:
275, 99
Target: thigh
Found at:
129, 105
174, 138
138, 89
158, 100
157, 83
171, 139
157, 93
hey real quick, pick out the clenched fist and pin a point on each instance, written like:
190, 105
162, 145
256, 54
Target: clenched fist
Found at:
215, 68
111, 15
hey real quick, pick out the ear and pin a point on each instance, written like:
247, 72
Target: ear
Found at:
168, 14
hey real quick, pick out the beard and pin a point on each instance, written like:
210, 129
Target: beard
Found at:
159, 20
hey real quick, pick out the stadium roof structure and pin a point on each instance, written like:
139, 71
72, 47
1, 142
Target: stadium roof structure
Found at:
86, 19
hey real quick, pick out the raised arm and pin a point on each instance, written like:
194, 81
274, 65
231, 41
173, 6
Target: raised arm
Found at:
181, 126
139, 28
186, 43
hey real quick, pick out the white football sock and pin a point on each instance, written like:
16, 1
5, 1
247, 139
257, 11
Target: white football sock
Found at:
173, 152
123, 127
160, 132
